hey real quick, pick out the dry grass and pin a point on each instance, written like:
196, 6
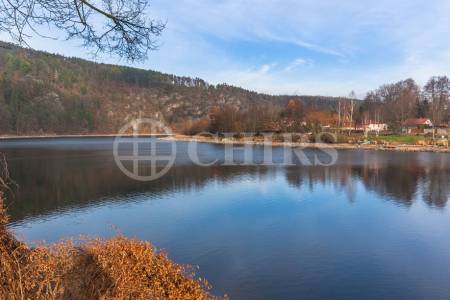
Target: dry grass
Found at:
119, 268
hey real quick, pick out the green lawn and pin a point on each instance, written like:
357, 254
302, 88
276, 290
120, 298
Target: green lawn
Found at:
402, 139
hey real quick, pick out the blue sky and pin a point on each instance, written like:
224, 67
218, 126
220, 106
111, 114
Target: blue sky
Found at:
325, 47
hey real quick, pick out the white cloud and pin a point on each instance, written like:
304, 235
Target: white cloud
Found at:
364, 43
297, 63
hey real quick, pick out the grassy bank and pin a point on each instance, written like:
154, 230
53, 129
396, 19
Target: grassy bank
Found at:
380, 145
119, 268
402, 139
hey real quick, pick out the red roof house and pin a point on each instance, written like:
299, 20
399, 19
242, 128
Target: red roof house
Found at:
417, 122
416, 126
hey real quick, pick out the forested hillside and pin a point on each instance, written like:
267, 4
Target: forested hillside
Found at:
42, 93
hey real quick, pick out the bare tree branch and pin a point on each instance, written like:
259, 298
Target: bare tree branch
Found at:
119, 27
5, 180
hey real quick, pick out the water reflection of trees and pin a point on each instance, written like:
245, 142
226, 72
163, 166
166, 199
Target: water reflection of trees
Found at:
60, 180
436, 187
399, 181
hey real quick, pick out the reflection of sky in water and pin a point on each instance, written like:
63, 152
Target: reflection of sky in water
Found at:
376, 224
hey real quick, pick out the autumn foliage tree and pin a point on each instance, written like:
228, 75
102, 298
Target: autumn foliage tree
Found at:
294, 109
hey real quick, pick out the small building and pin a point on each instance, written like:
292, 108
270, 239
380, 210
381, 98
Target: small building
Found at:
416, 125
377, 127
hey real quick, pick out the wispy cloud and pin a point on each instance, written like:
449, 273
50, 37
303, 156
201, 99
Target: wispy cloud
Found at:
317, 48
360, 45
297, 63
306, 45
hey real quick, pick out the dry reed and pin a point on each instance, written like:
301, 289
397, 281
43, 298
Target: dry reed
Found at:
118, 268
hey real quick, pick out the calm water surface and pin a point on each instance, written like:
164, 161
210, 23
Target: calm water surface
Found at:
374, 226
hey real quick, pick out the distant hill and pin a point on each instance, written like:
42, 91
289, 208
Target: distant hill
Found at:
42, 93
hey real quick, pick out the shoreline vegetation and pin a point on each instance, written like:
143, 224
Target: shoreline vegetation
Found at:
118, 268
375, 145
388, 143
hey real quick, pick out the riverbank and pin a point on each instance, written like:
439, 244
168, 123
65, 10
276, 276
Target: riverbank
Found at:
119, 268
225, 141
338, 146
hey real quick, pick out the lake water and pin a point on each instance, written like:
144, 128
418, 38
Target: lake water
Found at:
376, 225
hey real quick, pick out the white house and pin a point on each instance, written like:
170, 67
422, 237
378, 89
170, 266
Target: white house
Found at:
376, 127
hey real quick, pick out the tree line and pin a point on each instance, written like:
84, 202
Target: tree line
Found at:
42, 93
391, 104
396, 102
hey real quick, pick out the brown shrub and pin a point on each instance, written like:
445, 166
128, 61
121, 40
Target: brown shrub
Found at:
119, 268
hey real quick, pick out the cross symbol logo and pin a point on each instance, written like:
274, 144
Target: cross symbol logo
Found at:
149, 158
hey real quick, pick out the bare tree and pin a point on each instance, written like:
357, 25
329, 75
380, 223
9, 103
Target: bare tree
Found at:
351, 112
409, 95
437, 93
373, 109
120, 27
397, 101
